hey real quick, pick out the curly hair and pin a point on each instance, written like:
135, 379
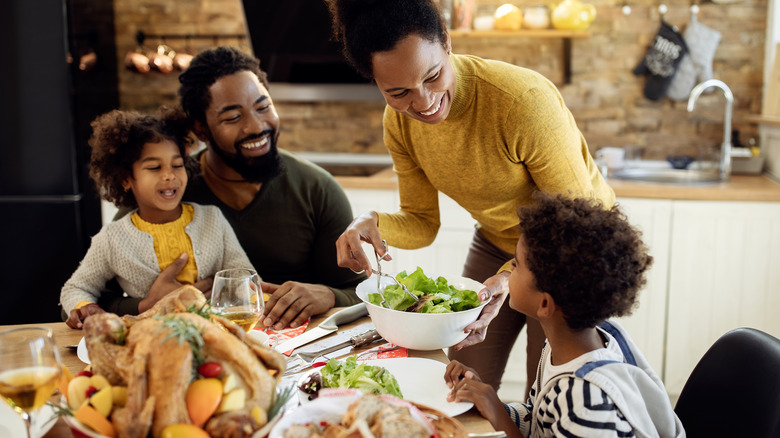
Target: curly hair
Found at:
590, 259
365, 27
118, 137
205, 69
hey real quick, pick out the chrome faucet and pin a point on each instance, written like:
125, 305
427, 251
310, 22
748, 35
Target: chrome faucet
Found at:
725, 148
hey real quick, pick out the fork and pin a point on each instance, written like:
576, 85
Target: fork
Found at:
379, 276
307, 359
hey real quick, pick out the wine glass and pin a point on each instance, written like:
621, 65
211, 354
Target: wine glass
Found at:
237, 295
30, 369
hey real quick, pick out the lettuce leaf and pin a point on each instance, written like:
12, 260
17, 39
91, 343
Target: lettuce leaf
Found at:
439, 295
366, 378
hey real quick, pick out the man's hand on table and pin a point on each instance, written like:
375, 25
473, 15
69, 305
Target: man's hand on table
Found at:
77, 316
292, 303
496, 290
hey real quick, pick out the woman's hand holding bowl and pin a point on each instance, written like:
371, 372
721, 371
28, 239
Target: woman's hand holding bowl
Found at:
496, 290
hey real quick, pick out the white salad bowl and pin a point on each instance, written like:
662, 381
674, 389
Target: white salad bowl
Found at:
420, 331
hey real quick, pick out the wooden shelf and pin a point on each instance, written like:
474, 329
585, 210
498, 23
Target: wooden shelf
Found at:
763, 120
565, 35
522, 33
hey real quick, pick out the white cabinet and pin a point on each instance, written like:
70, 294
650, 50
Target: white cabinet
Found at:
445, 256
647, 323
724, 258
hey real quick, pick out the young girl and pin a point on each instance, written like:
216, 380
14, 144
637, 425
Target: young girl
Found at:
138, 161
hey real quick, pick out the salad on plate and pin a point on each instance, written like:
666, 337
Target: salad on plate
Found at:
350, 374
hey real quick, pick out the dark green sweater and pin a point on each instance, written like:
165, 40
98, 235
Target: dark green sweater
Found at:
289, 230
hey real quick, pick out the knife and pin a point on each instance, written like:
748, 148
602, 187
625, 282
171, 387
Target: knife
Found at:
360, 340
326, 327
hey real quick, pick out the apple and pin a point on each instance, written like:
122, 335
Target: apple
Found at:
77, 391
233, 400
203, 397
119, 395
99, 382
259, 415
229, 383
103, 401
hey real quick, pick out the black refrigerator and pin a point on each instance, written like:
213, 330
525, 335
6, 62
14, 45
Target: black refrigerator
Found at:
48, 206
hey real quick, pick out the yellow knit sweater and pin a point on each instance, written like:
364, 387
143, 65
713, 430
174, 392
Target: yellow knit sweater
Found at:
508, 134
170, 240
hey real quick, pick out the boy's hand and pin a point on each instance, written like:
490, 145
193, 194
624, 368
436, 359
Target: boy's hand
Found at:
77, 316
456, 371
468, 387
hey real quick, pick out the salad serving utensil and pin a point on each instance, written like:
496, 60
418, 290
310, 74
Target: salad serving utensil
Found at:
379, 275
307, 359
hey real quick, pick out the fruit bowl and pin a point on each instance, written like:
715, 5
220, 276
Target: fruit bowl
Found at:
420, 331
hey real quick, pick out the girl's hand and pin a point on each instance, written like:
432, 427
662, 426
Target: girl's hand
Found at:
349, 249
77, 316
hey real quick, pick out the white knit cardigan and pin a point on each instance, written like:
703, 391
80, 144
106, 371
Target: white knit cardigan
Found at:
123, 251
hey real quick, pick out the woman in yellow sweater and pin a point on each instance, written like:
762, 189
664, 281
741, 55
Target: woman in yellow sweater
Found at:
485, 133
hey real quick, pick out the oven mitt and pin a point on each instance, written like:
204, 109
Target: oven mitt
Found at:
661, 61
697, 65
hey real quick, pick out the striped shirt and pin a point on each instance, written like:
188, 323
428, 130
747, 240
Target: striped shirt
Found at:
565, 402
572, 408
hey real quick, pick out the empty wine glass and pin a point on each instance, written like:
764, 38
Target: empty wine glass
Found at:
237, 295
30, 369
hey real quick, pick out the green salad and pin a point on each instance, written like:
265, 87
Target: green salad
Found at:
435, 296
351, 374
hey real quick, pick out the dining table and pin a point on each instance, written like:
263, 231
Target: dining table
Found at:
67, 339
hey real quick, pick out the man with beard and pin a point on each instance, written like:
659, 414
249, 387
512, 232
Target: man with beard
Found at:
287, 212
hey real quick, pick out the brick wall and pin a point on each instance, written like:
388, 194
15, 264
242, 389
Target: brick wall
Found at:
604, 96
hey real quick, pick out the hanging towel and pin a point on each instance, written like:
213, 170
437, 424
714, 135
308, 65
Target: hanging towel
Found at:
696, 66
661, 61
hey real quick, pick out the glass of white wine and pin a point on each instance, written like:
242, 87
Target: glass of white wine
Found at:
30, 369
237, 295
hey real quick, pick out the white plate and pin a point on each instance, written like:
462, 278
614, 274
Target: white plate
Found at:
81, 351
12, 425
421, 381
331, 408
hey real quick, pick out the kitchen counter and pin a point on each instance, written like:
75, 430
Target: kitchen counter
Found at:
757, 188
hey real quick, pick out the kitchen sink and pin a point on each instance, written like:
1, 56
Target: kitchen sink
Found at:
688, 177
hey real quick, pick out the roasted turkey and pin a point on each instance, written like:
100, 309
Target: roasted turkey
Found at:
153, 356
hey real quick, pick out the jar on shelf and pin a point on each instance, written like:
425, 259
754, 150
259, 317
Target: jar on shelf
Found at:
536, 17
484, 17
462, 14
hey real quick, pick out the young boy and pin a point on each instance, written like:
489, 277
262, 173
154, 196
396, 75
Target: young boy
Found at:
577, 264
